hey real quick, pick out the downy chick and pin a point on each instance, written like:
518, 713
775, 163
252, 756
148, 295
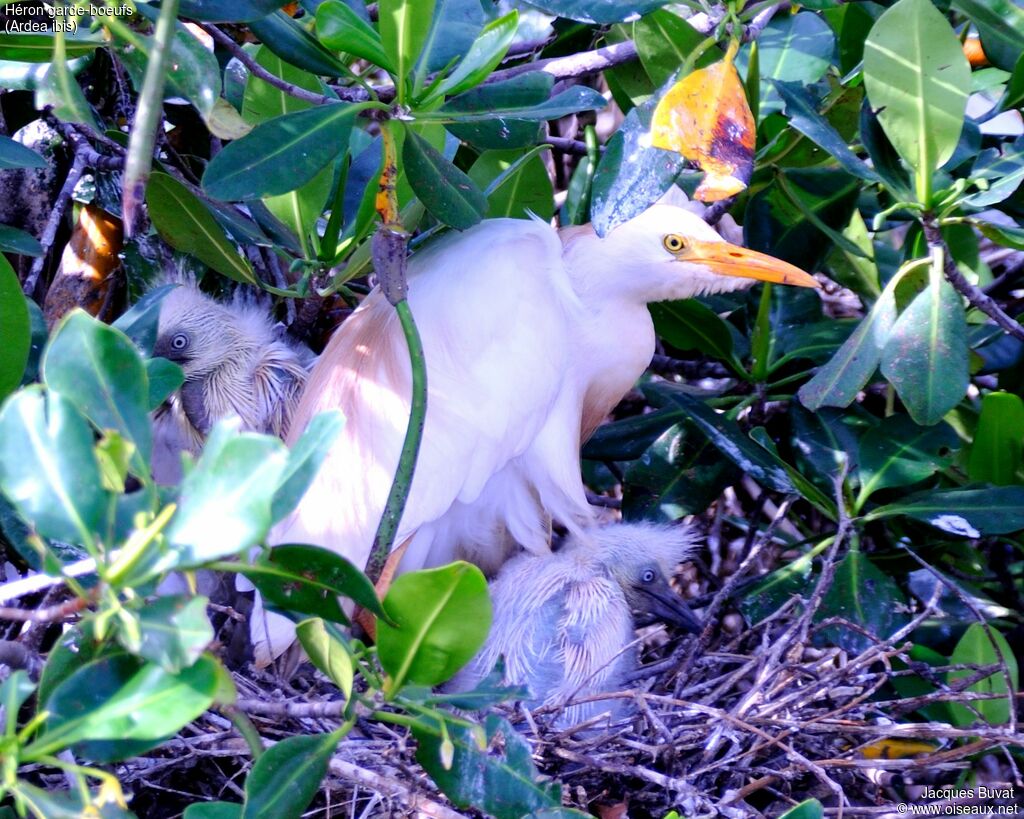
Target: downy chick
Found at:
235, 363
565, 622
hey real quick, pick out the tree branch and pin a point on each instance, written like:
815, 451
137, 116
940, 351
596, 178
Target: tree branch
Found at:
973, 294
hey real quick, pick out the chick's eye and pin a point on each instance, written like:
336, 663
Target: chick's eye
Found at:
674, 243
647, 576
179, 342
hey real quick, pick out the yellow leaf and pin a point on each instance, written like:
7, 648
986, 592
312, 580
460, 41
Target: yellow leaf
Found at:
897, 748
705, 117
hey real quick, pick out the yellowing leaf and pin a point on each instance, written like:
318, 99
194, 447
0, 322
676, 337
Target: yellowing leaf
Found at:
892, 748
705, 117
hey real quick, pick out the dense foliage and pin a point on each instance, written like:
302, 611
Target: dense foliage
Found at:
884, 418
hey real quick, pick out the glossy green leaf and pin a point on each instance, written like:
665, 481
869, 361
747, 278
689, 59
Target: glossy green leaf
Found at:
441, 618
823, 502
837, 383
627, 439
213, 810
304, 459
681, 473
327, 653
100, 371
603, 13
729, 438
898, 452
309, 580
290, 40
500, 132
341, 29
47, 466
237, 472
808, 809
119, 706
487, 50
281, 154
227, 11
286, 777
403, 28
76, 648
689, 325
186, 223
140, 321
995, 455
866, 596
38, 48
14, 318
792, 48
164, 377
802, 110
491, 770
925, 357
570, 101
664, 41
965, 512
623, 189
983, 645
15, 155
519, 181
917, 79
175, 631
447, 193
1003, 170
14, 691
1001, 26
60, 804
15, 240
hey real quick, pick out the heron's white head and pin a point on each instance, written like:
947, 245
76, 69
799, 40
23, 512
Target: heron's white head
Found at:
668, 252
200, 334
641, 557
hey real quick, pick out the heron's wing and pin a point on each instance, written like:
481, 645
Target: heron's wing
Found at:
494, 308
277, 378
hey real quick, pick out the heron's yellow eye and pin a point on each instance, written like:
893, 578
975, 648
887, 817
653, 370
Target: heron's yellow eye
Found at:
674, 243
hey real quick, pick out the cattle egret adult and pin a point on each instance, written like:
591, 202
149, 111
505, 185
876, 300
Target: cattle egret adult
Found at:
235, 363
566, 622
531, 336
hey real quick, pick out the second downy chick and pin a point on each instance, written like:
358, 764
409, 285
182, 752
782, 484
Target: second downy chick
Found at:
235, 363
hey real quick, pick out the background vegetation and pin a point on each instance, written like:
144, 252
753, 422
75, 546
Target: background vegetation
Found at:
856, 454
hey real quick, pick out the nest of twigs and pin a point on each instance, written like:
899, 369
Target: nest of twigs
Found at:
738, 726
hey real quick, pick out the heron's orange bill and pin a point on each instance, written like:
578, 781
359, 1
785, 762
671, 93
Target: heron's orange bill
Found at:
732, 260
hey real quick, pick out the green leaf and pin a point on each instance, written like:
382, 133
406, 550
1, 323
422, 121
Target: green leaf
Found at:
838, 382
792, 48
327, 653
309, 580
75, 648
518, 181
679, 474
500, 131
983, 645
14, 691
631, 175
38, 48
15, 240
487, 50
286, 777
996, 451
570, 101
627, 439
119, 706
213, 810
689, 325
664, 41
1001, 26
447, 193
304, 459
164, 377
175, 631
14, 318
55, 804
186, 223
802, 110
898, 452
926, 357
403, 28
804, 486
441, 618
808, 809
864, 595
290, 40
964, 512
917, 79
492, 772
341, 29
1004, 170
47, 466
15, 155
225, 499
281, 154
140, 321
227, 11
602, 13
100, 371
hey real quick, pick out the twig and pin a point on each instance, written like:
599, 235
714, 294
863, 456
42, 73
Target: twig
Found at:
78, 167
575, 65
47, 615
974, 295
393, 788
296, 710
38, 582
